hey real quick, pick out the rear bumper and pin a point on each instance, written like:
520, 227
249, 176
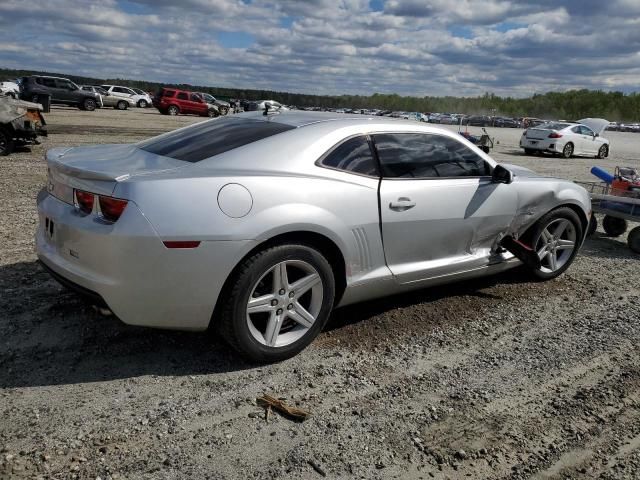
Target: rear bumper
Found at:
126, 267
545, 144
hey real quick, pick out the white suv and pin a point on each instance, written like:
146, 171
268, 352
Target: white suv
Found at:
141, 101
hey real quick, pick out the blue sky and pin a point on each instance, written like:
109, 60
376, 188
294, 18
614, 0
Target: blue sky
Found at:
410, 47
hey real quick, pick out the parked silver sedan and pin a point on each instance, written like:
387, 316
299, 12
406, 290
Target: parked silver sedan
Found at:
259, 225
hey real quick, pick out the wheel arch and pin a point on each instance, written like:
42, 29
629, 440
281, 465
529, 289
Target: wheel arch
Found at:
320, 242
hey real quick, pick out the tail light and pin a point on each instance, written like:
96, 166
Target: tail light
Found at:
555, 135
112, 208
84, 201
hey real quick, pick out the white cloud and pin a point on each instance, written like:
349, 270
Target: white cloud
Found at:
419, 47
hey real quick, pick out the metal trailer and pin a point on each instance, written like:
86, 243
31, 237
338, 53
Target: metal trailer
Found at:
618, 207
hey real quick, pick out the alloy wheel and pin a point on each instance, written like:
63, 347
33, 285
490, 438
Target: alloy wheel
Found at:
284, 303
567, 151
555, 245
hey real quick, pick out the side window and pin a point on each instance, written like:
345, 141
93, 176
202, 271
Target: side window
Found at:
169, 93
48, 82
577, 130
119, 90
420, 155
182, 96
353, 155
65, 84
196, 98
586, 131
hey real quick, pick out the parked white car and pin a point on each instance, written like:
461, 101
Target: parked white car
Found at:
107, 100
141, 101
567, 139
10, 89
145, 100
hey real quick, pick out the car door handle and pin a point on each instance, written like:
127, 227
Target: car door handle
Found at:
402, 204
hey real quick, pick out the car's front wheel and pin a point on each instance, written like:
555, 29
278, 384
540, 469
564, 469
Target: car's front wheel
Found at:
556, 239
6, 142
603, 151
277, 302
142, 103
89, 105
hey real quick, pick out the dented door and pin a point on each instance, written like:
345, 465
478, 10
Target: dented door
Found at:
436, 227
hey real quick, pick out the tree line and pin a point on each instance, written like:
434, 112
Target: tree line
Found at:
568, 105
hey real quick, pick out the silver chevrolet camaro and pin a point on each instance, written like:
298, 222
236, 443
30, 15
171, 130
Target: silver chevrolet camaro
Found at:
261, 223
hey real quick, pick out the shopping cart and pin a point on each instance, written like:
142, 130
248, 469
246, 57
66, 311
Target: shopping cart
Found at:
618, 207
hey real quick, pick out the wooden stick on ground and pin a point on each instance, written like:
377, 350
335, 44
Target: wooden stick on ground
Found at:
293, 413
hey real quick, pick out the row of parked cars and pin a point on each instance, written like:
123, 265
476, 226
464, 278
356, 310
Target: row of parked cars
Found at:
624, 127
63, 91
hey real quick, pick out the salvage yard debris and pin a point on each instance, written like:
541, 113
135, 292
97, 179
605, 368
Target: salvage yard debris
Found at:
271, 403
20, 124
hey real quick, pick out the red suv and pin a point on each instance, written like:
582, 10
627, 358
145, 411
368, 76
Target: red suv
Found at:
171, 101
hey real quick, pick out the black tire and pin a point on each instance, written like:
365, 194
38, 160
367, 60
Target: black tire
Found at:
613, 226
633, 240
122, 105
6, 142
211, 113
603, 151
593, 225
12, 95
529, 151
34, 99
232, 323
173, 110
485, 149
567, 151
89, 104
533, 235
142, 103
223, 110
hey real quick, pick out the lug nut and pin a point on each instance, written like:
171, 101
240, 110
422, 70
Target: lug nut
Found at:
279, 312
274, 303
281, 292
290, 306
291, 294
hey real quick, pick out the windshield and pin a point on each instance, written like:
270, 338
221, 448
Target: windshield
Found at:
207, 139
139, 92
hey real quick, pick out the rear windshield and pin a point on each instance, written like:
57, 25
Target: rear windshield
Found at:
209, 138
554, 125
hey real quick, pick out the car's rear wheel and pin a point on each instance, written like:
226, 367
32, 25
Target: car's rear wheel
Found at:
6, 142
567, 151
121, 105
173, 110
529, 151
277, 302
89, 105
556, 238
212, 113
142, 103
223, 110
603, 151
614, 227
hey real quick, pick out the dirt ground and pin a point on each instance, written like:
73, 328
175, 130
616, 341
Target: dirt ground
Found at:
496, 378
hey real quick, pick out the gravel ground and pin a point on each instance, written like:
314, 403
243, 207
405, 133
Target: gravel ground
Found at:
496, 378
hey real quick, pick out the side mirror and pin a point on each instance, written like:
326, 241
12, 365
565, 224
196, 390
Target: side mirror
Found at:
501, 175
